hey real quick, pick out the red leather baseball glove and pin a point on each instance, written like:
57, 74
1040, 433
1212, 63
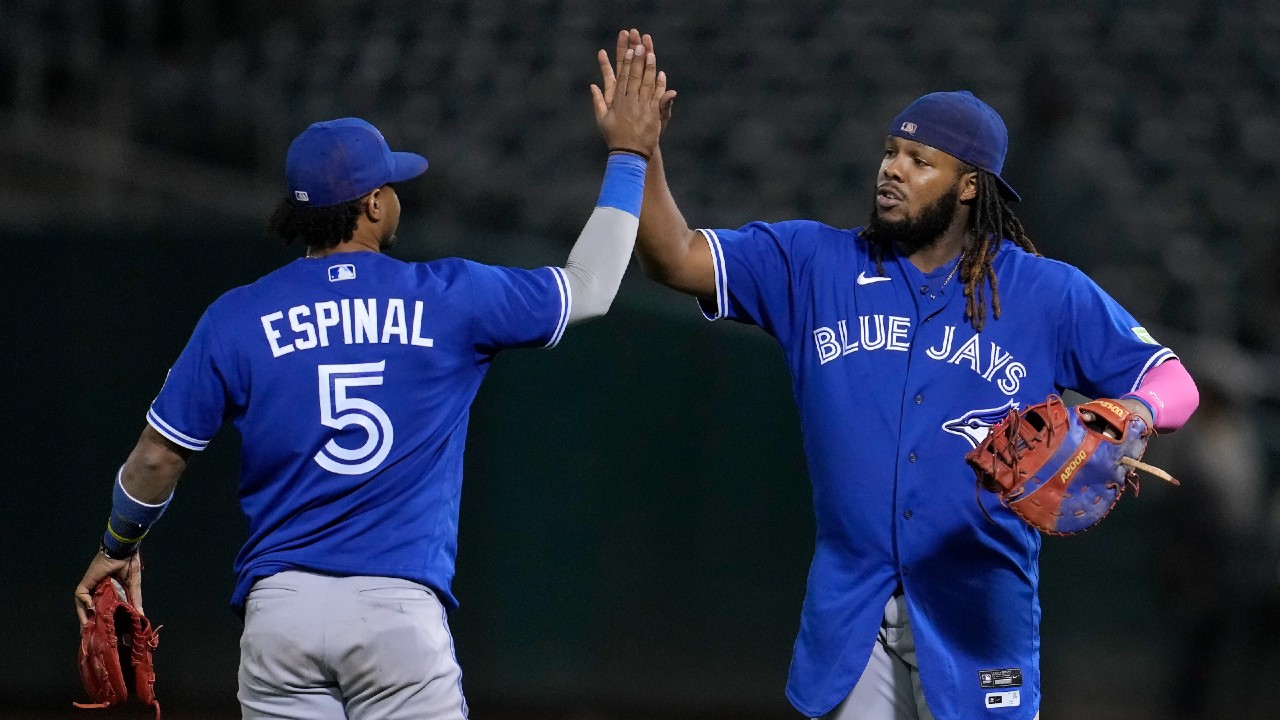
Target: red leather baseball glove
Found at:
1061, 469
115, 651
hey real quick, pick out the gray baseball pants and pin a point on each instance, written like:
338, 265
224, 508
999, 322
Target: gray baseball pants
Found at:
317, 647
889, 688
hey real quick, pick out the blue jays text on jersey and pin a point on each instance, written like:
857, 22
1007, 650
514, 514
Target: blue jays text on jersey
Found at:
351, 381
893, 387
879, 333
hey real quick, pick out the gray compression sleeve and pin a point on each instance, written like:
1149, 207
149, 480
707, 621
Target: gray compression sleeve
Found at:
598, 260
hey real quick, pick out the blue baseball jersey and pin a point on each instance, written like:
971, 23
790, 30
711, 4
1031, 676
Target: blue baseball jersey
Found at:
894, 387
350, 379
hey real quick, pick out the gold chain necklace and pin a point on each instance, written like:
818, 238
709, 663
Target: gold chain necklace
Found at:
934, 296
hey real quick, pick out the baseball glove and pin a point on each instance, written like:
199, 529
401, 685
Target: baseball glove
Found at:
1060, 470
115, 651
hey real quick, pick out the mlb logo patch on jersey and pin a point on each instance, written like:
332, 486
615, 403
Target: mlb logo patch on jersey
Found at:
1006, 677
346, 271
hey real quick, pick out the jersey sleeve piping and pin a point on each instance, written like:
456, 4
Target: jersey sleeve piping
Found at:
566, 306
1160, 356
721, 280
173, 434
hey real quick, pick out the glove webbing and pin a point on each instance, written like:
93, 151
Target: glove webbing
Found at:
1009, 454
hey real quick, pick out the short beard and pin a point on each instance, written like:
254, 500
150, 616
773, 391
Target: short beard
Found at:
385, 243
912, 235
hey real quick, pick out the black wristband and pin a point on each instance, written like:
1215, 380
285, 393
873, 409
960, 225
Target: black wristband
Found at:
645, 156
133, 550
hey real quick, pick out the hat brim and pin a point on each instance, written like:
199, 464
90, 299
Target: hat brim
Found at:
407, 166
1007, 190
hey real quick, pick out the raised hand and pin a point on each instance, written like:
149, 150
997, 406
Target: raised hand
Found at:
630, 119
630, 40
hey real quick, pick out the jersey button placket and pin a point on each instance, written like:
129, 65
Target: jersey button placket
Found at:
911, 457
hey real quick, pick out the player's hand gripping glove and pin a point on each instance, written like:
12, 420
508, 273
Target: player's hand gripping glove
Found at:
115, 650
1059, 469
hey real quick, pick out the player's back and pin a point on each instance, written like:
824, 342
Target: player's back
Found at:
350, 379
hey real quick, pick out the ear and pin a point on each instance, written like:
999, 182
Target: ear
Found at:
968, 184
375, 206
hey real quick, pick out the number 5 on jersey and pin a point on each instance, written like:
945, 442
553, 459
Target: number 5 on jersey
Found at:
339, 411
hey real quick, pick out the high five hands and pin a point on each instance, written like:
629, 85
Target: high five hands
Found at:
634, 105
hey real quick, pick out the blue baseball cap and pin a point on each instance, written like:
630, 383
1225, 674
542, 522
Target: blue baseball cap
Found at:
960, 125
340, 160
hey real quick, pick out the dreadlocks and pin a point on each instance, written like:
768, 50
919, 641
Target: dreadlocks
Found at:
990, 219
319, 227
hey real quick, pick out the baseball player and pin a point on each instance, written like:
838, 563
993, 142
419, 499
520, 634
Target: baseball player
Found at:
350, 376
906, 340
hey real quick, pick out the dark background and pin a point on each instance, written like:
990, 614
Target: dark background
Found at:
636, 525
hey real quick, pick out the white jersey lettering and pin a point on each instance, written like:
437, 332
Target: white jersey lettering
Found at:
968, 351
899, 329
395, 322
825, 339
365, 317
273, 334
941, 353
1012, 378
417, 327
308, 330
893, 332
357, 321
345, 304
844, 338
998, 358
867, 342
326, 317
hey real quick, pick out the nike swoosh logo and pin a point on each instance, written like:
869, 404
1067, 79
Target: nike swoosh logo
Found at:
864, 280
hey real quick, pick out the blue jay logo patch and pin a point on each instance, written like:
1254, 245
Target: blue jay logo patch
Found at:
975, 425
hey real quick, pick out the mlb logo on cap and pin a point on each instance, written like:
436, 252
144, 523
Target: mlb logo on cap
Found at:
961, 125
340, 160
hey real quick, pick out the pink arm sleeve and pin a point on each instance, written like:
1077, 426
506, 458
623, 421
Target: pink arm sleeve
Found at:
1170, 393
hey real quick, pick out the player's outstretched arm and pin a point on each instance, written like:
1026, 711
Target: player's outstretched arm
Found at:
141, 492
630, 123
668, 250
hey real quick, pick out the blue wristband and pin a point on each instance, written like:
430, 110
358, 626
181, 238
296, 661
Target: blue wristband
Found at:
1147, 405
623, 186
129, 522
